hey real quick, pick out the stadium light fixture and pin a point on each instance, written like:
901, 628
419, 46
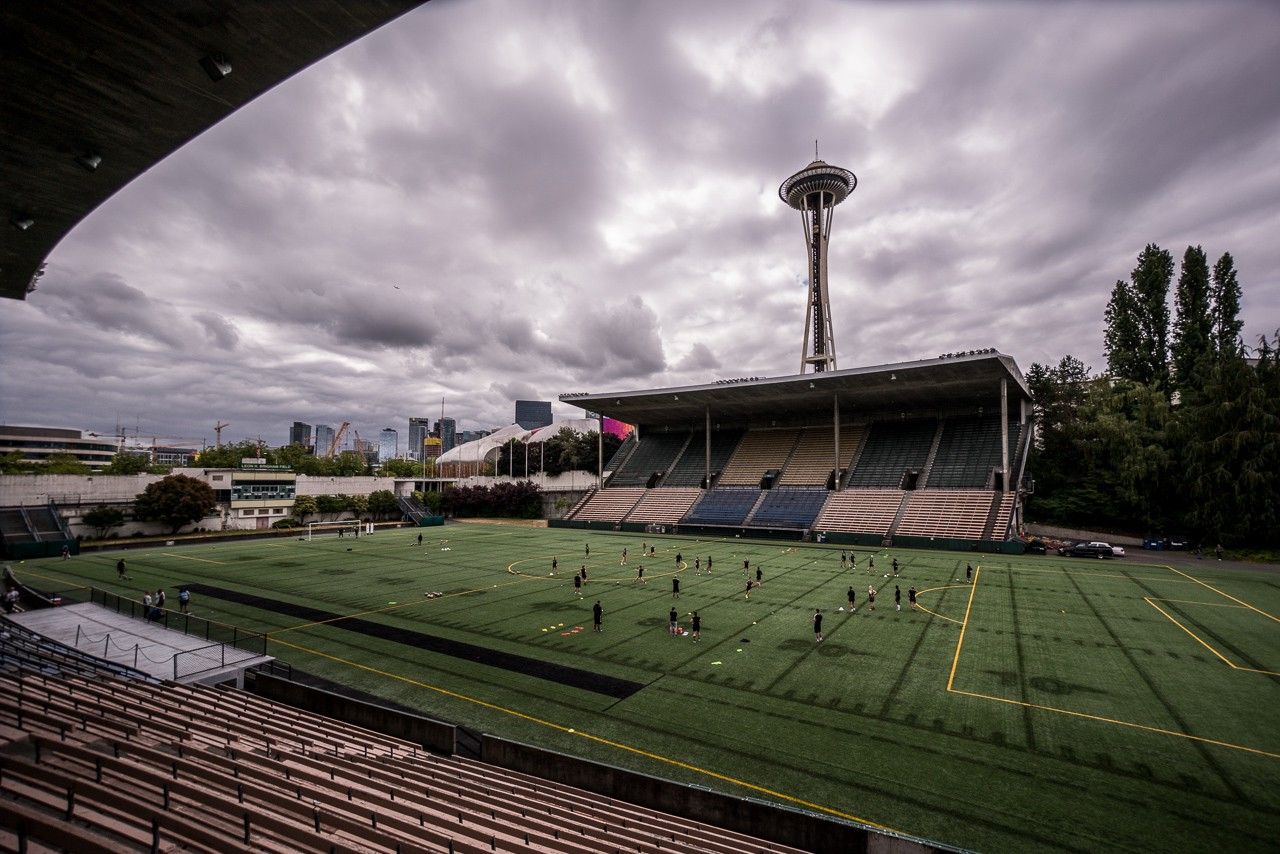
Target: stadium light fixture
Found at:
22, 223
216, 66
90, 161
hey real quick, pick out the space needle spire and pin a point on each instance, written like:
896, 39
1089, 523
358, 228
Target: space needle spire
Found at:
815, 191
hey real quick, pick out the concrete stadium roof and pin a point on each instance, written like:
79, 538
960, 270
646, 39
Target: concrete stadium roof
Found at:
94, 94
952, 380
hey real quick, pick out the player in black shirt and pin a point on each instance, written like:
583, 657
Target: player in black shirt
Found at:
697, 626
675, 587
911, 597
640, 575
817, 625
674, 624
853, 599
897, 598
577, 585
596, 613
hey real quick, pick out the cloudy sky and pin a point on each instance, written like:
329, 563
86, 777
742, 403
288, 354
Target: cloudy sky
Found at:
497, 199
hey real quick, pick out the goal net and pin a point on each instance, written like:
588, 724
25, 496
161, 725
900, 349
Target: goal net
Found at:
344, 528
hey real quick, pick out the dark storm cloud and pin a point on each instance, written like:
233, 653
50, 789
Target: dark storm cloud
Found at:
490, 200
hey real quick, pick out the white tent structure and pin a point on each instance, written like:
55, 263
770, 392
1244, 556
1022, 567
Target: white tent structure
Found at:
469, 457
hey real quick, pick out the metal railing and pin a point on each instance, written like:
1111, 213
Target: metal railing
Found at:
215, 633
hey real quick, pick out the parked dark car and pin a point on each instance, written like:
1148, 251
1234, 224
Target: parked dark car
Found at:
1091, 549
1036, 547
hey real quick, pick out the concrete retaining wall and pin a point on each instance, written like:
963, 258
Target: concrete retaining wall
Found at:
1058, 533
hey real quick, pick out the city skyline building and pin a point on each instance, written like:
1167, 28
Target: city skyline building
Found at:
447, 431
300, 434
388, 444
419, 429
324, 438
532, 414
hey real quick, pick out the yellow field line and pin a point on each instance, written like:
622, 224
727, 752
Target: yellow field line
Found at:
1228, 595
920, 593
1197, 638
1162, 578
617, 745
960, 642
396, 607
193, 557
1143, 727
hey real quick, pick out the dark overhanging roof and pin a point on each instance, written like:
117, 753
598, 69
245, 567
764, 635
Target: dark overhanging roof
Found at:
123, 81
904, 386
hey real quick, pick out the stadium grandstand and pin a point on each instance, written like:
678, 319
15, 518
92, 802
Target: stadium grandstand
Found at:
926, 452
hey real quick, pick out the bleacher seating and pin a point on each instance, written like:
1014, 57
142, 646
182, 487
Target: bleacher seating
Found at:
959, 513
107, 765
46, 523
24, 650
609, 505
1000, 528
758, 452
723, 507
784, 507
891, 449
664, 506
814, 456
618, 457
13, 526
655, 453
968, 451
691, 467
865, 511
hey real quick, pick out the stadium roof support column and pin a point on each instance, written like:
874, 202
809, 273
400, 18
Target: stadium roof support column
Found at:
707, 455
835, 404
1004, 433
600, 452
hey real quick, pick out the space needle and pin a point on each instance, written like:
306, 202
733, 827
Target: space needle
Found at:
815, 191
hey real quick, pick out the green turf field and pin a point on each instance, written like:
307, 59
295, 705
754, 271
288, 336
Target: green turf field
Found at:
1053, 704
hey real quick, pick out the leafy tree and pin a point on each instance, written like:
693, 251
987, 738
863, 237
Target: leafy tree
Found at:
383, 504
127, 462
13, 463
176, 500
102, 519
519, 499
434, 501
349, 464
304, 506
63, 464
1193, 322
400, 468
330, 506
357, 504
1226, 306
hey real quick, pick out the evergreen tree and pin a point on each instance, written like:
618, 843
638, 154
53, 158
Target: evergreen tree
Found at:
1226, 306
1151, 280
1121, 340
1193, 323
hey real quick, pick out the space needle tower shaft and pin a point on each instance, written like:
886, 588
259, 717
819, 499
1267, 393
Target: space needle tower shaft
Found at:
815, 191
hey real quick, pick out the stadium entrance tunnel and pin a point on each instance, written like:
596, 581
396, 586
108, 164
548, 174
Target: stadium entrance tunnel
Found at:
573, 677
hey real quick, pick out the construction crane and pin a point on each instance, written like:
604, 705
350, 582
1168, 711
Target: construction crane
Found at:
217, 433
337, 439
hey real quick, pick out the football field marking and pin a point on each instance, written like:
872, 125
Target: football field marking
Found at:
1144, 727
1205, 643
920, 593
1227, 595
617, 745
193, 557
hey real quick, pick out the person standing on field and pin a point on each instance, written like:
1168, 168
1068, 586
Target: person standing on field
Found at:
675, 587
597, 613
697, 627
817, 625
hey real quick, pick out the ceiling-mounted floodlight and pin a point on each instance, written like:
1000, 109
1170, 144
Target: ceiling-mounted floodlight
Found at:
216, 66
22, 223
90, 162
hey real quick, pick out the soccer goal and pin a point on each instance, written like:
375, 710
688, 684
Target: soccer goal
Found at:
344, 528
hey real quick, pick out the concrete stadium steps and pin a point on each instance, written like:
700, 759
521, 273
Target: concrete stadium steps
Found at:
219, 769
13, 526
1004, 513
581, 502
968, 451
891, 449
862, 511
47, 524
664, 506
758, 452
655, 452
619, 457
690, 469
814, 456
610, 505
959, 513
718, 506
788, 508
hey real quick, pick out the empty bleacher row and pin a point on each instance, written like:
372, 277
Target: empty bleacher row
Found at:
960, 513
893, 448
760, 451
813, 459
664, 506
654, 455
99, 764
691, 468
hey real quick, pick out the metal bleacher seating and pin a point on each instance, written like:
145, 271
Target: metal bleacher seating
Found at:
892, 448
609, 505
784, 507
759, 451
95, 764
656, 452
959, 513
690, 469
866, 511
814, 456
664, 506
968, 451
723, 507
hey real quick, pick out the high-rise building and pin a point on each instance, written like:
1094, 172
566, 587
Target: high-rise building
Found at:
531, 414
324, 438
447, 430
300, 434
418, 430
388, 444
